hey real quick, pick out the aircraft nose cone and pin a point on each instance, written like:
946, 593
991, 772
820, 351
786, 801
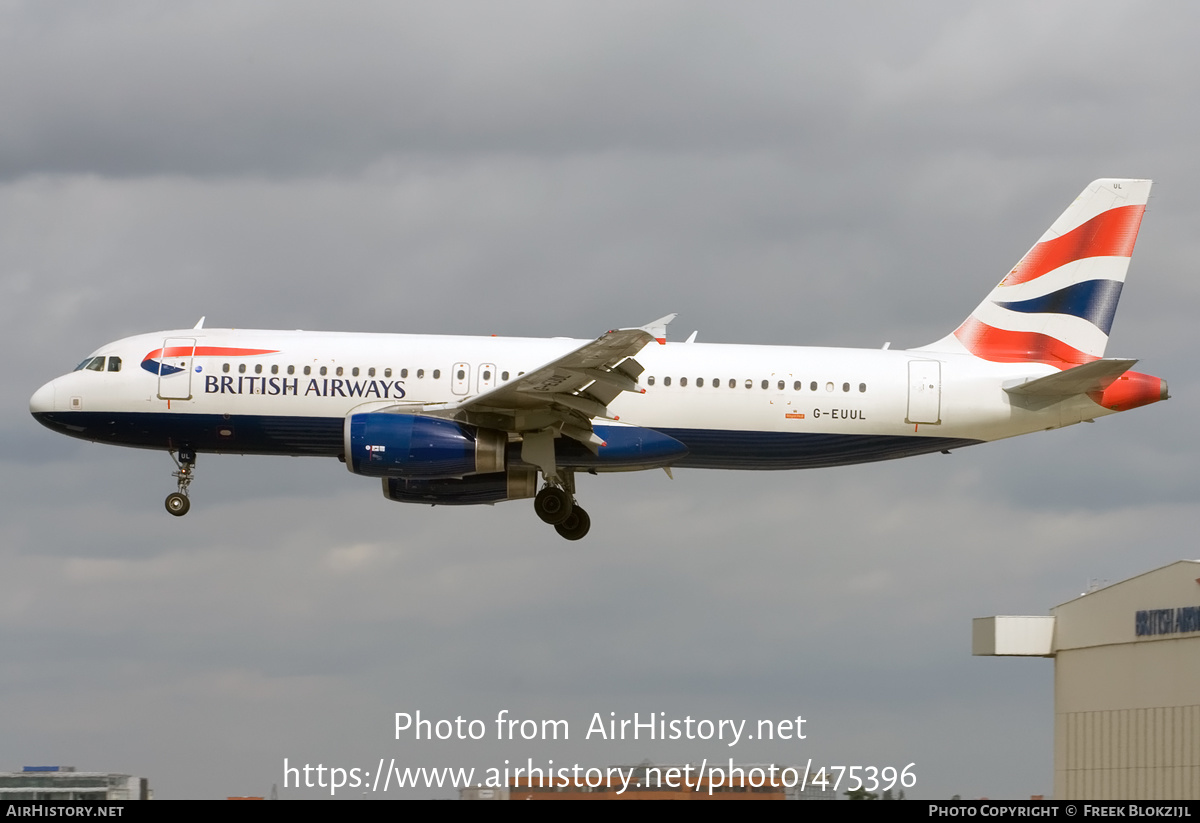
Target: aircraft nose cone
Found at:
42, 400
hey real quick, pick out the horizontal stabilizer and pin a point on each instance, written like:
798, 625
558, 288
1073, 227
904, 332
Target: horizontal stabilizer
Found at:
1095, 376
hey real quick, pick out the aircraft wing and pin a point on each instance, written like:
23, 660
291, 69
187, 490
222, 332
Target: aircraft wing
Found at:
568, 392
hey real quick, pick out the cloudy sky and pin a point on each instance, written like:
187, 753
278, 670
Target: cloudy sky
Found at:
778, 173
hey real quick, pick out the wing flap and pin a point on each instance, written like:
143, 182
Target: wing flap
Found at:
569, 391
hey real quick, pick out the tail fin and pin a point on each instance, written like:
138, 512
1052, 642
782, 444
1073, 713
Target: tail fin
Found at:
1057, 305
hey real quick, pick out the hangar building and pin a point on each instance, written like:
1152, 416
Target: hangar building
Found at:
1126, 684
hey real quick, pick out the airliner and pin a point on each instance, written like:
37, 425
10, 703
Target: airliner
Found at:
448, 420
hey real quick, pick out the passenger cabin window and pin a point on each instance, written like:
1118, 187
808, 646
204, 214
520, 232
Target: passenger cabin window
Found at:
258, 368
650, 380
420, 373
862, 387
354, 372
308, 369
339, 371
388, 373
503, 375
275, 368
241, 368
683, 381
437, 373
324, 371
291, 369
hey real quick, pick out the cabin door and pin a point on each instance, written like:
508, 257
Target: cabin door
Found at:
924, 391
175, 368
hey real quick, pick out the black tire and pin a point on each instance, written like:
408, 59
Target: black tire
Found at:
553, 505
178, 504
576, 525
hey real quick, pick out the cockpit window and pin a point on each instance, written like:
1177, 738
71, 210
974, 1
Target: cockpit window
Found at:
114, 364
95, 364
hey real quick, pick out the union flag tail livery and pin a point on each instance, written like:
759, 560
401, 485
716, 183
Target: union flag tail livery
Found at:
467, 420
1057, 304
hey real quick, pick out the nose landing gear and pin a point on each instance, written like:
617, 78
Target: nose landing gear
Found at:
177, 503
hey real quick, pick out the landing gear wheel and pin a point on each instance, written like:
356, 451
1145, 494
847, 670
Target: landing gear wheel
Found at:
178, 504
553, 505
576, 525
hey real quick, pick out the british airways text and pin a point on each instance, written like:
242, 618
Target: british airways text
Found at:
284, 386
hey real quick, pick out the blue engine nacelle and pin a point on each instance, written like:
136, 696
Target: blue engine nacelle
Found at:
383, 444
514, 484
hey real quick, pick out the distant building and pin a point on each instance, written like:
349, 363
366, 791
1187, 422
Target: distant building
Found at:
64, 783
483, 794
1126, 684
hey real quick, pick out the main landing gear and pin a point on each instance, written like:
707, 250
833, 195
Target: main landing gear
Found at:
556, 506
177, 502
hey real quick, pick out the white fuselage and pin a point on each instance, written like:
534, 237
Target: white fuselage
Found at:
734, 406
